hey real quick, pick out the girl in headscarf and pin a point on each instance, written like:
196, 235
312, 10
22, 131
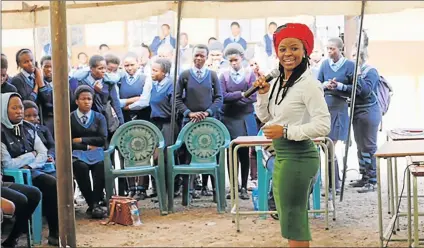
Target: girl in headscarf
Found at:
22, 148
294, 111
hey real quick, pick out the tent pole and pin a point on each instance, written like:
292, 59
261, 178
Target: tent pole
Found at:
353, 99
177, 55
62, 125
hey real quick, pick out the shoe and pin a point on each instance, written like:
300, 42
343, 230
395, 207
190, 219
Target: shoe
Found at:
140, 195
9, 243
243, 194
358, 184
195, 195
178, 190
96, 212
252, 184
154, 193
331, 193
206, 192
369, 187
53, 240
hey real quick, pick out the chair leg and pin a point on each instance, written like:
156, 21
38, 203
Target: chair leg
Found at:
170, 180
37, 224
220, 205
161, 194
186, 190
109, 186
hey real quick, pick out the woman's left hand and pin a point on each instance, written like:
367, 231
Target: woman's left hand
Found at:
273, 131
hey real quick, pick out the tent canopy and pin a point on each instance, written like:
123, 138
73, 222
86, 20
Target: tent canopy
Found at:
30, 14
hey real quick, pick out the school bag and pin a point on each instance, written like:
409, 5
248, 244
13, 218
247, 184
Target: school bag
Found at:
384, 92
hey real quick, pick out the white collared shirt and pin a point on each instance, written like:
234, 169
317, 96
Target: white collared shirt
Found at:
202, 70
303, 109
81, 114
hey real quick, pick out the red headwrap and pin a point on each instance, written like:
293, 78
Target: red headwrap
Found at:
295, 30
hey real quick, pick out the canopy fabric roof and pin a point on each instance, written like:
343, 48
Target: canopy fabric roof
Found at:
29, 14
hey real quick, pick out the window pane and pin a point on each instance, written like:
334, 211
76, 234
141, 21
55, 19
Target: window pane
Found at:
199, 30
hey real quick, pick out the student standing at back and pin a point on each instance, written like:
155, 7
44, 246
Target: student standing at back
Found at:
336, 69
29, 82
235, 36
198, 93
237, 111
47, 105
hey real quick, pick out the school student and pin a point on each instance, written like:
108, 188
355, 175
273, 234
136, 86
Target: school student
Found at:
235, 36
134, 95
29, 82
164, 38
267, 42
47, 105
31, 115
89, 136
202, 94
103, 86
366, 120
216, 61
6, 85
21, 147
237, 111
20, 201
134, 90
336, 69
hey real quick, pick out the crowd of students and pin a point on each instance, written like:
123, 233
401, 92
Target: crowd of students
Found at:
106, 92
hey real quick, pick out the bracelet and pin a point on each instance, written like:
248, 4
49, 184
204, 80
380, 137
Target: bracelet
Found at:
285, 128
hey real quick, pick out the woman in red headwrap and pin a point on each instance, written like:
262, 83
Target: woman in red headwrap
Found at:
294, 111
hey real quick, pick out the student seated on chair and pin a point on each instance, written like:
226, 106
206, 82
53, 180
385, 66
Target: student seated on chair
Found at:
89, 134
21, 201
22, 148
31, 116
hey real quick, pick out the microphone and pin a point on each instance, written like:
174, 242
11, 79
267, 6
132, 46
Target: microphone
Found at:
273, 74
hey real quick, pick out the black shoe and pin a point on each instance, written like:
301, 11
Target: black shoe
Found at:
140, 195
53, 240
206, 192
243, 194
358, 184
9, 243
96, 212
178, 190
154, 193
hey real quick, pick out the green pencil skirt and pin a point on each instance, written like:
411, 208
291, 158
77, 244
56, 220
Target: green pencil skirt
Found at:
296, 164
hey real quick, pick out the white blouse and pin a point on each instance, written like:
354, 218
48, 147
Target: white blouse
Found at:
303, 110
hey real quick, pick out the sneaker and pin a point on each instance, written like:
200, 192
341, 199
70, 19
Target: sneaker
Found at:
369, 187
96, 212
53, 240
358, 184
252, 184
195, 195
206, 192
243, 194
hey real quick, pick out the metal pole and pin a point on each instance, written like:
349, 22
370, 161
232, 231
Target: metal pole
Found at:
353, 98
62, 124
177, 55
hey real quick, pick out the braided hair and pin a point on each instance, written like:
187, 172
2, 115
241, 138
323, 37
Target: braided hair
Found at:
296, 74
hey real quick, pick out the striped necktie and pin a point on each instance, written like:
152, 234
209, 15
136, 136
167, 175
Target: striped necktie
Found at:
84, 119
199, 74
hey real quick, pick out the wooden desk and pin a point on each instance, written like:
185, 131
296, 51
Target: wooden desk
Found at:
395, 149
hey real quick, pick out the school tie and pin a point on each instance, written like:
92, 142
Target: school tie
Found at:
199, 74
131, 79
30, 78
84, 119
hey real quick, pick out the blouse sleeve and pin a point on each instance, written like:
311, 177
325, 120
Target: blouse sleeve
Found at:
320, 122
261, 106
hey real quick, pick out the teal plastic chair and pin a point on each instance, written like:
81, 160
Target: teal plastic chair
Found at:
137, 141
21, 176
264, 178
204, 141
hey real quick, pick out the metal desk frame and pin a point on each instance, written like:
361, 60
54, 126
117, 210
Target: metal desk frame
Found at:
398, 149
252, 141
392, 171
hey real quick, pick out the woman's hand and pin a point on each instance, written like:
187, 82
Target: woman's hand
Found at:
273, 131
262, 84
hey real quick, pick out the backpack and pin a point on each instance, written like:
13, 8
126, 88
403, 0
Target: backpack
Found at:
384, 92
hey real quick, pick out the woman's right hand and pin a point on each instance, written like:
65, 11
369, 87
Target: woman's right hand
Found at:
262, 84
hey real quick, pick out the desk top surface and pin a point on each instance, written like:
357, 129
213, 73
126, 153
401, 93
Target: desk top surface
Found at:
406, 134
259, 140
417, 170
401, 149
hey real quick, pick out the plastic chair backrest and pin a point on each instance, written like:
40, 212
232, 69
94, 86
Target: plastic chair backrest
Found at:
204, 139
137, 141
